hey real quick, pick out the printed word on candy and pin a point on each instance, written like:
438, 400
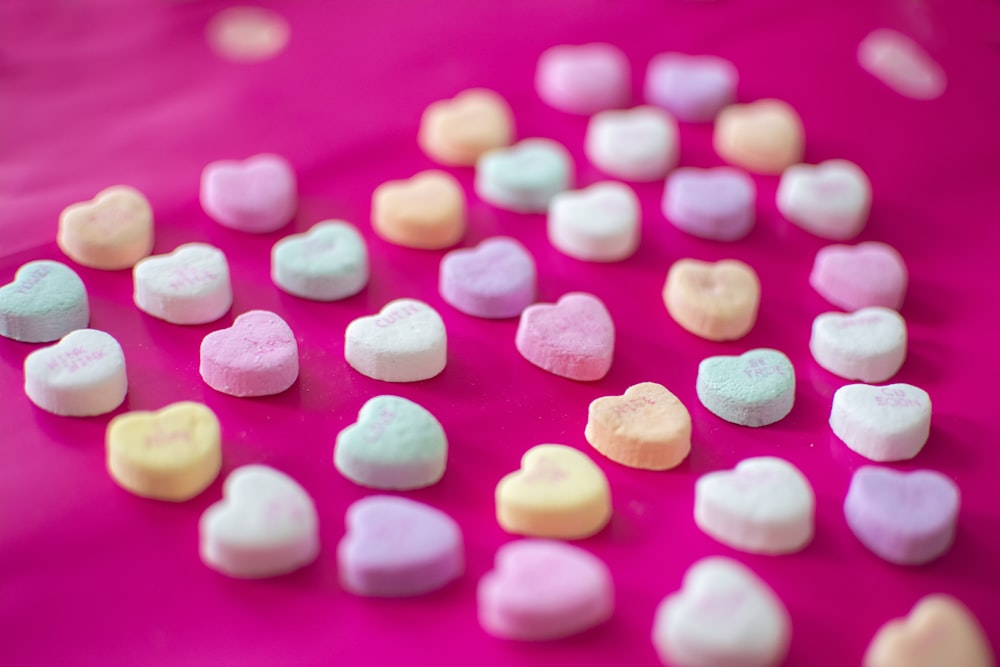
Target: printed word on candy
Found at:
723, 615
831, 199
764, 505
639, 144
265, 525
80, 376
890, 423
496, 279
597, 224
715, 203
525, 177
867, 345
648, 427
426, 211
170, 454
457, 131
405, 342
756, 388
112, 231
714, 301
542, 590
855, 277
257, 356
765, 136
584, 79
573, 338
558, 492
327, 263
396, 547
46, 301
188, 286
395, 444
693, 88
256, 195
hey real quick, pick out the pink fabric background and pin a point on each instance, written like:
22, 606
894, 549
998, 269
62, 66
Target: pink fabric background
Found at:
98, 93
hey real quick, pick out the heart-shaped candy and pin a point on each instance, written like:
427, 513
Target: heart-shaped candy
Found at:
597, 224
426, 211
395, 444
265, 525
853, 277
112, 231
396, 547
764, 505
900, 63
542, 590
692, 88
558, 492
584, 79
905, 518
255, 195
765, 136
327, 263
639, 144
170, 454
724, 615
405, 342
573, 338
890, 423
867, 345
188, 286
45, 302
939, 631
80, 376
457, 131
756, 388
525, 177
716, 301
495, 279
257, 356
831, 199
715, 203
648, 427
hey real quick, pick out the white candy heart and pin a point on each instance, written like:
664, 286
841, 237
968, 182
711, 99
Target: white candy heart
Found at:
831, 199
327, 263
900, 63
724, 615
599, 223
405, 342
639, 144
188, 286
524, 177
764, 505
265, 525
867, 345
888, 423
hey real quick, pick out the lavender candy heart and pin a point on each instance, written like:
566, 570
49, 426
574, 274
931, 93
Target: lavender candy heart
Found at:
495, 279
693, 88
715, 203
396, 547
906, 518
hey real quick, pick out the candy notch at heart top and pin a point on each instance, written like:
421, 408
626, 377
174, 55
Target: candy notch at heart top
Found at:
724, 615
597, 224
457, 131
256, 195
327, 263
46, 301
939, 631
765, 136
584, 79
693, 88
257, 356
405, 342
558, 492
867, 345
170, 454
905, 518
396, 547
395, 444
265, 525
639, 144
831, 199
714, 301
890, 423
80, 376
573, 338
496, 279
647, 428
756, 388
717, 203
542, 590
425, 212
525, 177
112, 231
854, 277
188, 286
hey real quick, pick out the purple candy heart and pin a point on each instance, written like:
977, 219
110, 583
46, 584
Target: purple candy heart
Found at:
906, 518
693, 88
495, 279
713, 203
395, 547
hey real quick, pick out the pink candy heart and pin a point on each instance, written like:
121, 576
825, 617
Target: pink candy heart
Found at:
257, 356
855, 277
693, 88
584, 79
257, 195
574, 338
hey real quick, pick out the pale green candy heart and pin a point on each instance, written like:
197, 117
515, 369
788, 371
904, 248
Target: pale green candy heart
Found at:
327, 263
756, 388
46, 301
524, 177
395, 444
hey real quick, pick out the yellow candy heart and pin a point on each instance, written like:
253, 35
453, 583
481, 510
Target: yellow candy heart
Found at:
170, 454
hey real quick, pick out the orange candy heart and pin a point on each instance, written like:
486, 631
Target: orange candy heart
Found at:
112, 231
426, 211
457, 131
